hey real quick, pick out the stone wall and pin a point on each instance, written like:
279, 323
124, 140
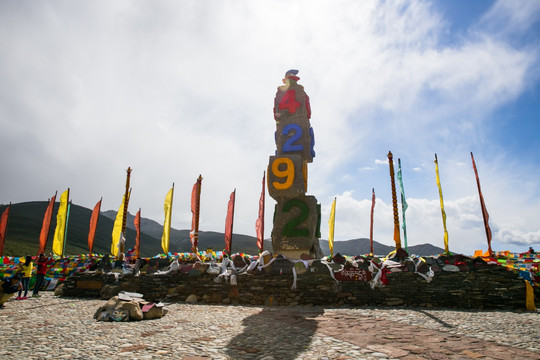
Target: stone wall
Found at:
490, 287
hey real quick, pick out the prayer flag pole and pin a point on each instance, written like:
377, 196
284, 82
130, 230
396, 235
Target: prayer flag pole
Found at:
446, 251
485, 214
195, 210
137, 223
259, 224
371, 221
397, 238
124, 215
66, 226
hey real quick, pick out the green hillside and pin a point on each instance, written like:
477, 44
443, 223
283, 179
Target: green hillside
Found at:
25, 220
24, 228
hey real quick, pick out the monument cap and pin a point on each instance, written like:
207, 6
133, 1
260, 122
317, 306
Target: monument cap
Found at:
292, 72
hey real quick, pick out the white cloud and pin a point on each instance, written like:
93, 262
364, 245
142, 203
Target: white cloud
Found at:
508, 17
178, 89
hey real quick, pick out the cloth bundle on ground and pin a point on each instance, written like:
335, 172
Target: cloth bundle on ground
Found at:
128, 306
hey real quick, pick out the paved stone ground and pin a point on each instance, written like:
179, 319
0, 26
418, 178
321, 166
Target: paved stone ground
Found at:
61, 328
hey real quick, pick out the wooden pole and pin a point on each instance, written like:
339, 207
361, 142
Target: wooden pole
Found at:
124, 215
397, 238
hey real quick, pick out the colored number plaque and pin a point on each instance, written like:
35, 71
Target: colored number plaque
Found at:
295, 223
295, 138
286, 176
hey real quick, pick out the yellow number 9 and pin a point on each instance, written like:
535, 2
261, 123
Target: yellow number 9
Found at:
288, 173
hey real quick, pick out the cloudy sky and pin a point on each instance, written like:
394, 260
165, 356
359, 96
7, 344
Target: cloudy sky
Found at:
175, 89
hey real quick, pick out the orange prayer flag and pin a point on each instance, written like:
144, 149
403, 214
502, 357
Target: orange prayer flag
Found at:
3, 228
46, 225
137, 223
93, 226
229, 223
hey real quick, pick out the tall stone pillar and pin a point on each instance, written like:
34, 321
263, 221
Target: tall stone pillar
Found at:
297, 216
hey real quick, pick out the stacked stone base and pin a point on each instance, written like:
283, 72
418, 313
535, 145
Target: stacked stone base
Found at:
492, 287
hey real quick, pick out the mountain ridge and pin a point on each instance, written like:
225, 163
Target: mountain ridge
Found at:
24, 227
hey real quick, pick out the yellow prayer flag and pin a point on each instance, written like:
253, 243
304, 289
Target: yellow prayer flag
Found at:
529, 297
60, 231
331, 223
442, 206
167, 207
117, 227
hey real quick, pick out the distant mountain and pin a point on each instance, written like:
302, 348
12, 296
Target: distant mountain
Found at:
181, 242
25, 220
362, 246
24, 228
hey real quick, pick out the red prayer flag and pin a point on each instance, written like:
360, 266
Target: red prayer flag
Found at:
46, 226
195, 210
93, 226
3, 228
229, 223
485, 214
371, 221
259, 224
137, 223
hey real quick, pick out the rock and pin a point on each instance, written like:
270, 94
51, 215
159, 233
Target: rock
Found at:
130, 286
184, 269
234, 293
213, 269
239, 262
191, 299
450, 268
401, 254
194, 272
410, 265
108, 291
201, 267
300, 268
422, 267
339, 259
281, 266
58, 290
362, 264
335, 266
305, 257
271, 301
318, 267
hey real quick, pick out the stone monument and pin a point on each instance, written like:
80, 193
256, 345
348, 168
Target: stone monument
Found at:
297, 216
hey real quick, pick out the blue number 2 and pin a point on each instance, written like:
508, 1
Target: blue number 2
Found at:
296, 135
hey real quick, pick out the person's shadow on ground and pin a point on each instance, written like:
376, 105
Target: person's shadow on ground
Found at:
279, 332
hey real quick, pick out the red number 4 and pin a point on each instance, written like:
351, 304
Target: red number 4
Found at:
289, 102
